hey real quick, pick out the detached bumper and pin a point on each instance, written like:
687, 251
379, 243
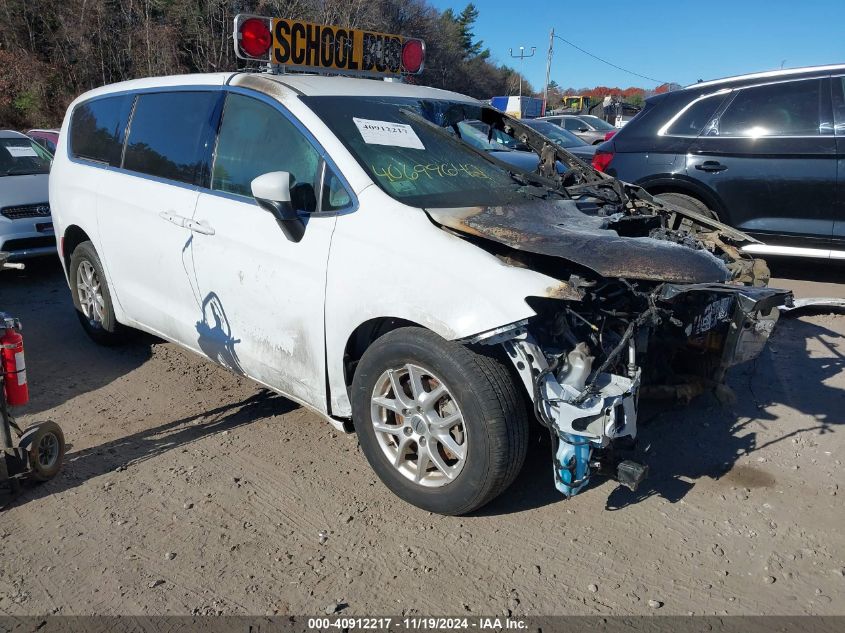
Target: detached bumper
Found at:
741, 318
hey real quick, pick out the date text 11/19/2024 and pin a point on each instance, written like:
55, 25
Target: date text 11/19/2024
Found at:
418, 623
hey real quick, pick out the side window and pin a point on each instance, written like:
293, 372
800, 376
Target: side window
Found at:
97, 129
691, 121
839, 104
44, 142
335, 196
170, 135
785, 109
572, 124
255, 139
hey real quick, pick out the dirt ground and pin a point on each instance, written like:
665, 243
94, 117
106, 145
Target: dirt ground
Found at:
188, 490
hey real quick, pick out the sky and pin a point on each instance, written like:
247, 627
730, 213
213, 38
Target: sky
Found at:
671, 41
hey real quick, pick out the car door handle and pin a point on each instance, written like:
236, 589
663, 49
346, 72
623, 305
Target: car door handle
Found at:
197, 226
711, 166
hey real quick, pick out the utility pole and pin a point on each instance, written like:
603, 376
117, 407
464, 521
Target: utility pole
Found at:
521, 57
548, 70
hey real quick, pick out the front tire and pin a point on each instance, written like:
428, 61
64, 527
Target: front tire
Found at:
91, 297
443, 426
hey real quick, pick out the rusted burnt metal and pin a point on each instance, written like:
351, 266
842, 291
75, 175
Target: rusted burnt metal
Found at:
565, 291
557, 228
548, 151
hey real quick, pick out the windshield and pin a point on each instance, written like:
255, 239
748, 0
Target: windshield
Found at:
21, 156
562, 137
397, 141
597, 123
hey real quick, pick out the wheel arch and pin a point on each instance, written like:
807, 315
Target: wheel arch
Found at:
363, 336
687, 187
74, 235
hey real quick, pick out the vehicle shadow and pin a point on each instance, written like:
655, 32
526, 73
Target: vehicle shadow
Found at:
126, 451
684, 445
61, 361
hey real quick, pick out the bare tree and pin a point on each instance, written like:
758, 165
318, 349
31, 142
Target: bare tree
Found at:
52, 51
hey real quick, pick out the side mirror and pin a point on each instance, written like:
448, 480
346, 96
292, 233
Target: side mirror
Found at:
272, 193
583, 129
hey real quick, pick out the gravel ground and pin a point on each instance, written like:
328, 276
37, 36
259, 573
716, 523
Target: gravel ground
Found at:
190, 491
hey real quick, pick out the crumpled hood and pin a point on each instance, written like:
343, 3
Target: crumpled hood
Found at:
559, 229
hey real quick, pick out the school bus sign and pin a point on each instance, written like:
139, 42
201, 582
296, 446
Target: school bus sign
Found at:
321, 47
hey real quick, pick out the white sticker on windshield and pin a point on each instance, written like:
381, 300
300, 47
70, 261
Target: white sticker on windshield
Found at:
387, 133
20, 151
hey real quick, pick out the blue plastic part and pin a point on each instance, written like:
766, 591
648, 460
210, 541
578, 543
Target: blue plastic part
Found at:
572, 464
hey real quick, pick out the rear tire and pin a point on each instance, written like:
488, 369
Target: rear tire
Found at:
91, 297
687, 202
484, 450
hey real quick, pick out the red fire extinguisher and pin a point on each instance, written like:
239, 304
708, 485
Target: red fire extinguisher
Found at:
13, 366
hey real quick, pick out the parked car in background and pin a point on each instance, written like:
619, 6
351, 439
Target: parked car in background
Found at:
587, 127
564, 138
46, 138
26, 228
760, 152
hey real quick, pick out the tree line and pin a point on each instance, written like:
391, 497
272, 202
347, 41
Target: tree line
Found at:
633, 95
51, 51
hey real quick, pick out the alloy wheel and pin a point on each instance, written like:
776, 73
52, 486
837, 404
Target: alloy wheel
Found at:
419, 425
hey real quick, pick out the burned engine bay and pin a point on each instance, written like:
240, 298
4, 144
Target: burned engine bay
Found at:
652, 301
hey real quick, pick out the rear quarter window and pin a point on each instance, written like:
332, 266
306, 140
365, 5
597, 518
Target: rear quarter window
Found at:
97, 129
692, 118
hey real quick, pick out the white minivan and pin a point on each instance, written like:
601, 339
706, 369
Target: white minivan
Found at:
335, 240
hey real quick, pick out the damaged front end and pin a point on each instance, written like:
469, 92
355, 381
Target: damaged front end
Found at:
651, 301
586, 363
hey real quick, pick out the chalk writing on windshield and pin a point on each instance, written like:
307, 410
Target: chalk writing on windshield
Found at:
398, 170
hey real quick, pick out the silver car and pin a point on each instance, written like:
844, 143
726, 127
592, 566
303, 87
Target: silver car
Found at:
587, 127
26, 228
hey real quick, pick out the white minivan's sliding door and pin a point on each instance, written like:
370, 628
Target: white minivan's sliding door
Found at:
145, 209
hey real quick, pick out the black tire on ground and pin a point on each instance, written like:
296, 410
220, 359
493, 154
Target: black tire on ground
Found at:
46, 451
687, 202
493, 409
105, 332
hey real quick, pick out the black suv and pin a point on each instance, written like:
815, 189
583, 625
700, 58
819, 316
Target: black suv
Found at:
764, 153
